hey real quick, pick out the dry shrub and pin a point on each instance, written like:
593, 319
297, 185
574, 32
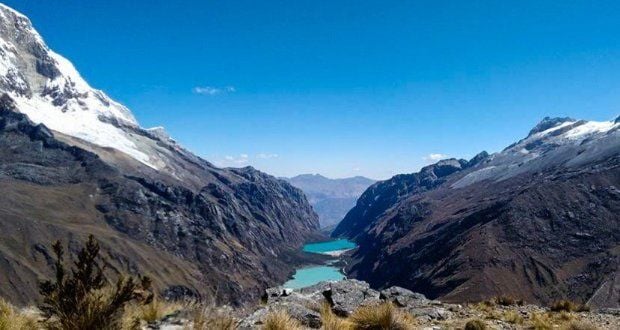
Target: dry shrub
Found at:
486, 307
475, 325
576, 325
565, 316
137, 314
569, 306
332, 321
12, 319
209, 317
280, 320
508, 301
512, 317
542, 321
82, 298
381, 317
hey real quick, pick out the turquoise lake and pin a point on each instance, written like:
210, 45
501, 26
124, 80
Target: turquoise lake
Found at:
307, 276
331, 246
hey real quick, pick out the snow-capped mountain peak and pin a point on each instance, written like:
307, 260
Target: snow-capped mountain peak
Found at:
49, 90
553, 143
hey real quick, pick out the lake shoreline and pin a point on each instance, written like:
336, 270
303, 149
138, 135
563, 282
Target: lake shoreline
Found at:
332, 269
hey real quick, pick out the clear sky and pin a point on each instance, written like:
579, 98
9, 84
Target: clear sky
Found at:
342, 88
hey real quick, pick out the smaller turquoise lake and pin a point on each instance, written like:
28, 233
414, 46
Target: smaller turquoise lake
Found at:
331, 246
312, 275
308, 276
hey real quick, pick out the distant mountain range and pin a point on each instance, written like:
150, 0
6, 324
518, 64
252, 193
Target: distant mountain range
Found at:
539, 220
74, 162
331, 198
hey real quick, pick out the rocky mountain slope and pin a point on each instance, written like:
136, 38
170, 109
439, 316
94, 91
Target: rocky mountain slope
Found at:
74, 162
539, 221
330, 198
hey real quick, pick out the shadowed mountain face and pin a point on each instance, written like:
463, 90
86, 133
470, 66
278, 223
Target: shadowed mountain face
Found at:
74, 162
539, 220
330, 198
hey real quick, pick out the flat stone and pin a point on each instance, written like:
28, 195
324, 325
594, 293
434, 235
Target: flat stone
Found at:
403, 297
348, 295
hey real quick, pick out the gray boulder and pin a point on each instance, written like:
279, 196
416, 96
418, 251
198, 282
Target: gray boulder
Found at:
348, 295
430, 312
403, 297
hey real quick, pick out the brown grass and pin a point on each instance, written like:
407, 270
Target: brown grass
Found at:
475, 325
332, 321
12, 319
568, 306
280, 320
512, 317
508, 301
542, 321
209, 317
381, 317
136, 315
576, 325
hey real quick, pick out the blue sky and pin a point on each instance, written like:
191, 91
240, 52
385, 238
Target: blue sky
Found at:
342, 88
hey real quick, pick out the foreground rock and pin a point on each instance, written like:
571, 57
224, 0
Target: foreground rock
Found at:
344, 297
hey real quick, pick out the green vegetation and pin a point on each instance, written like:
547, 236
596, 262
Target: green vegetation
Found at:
83, 298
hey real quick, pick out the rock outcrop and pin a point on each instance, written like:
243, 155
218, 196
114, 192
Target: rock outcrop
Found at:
343, 297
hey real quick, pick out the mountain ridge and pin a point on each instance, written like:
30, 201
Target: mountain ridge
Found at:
74, 162
538, 220
330, 198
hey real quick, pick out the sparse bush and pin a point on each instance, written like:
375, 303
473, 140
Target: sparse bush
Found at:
565, 316
563, 305
575, 325
280, 320
381, 317
508, 301
475, 325
512, 317
332, 321
83, 299
135, 314
542, 321
582, 308
12, 319
209, 317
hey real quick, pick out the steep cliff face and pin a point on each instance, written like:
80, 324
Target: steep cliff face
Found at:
74, 162
539, 220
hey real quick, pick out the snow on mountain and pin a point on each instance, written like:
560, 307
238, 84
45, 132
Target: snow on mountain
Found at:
553, 142
49, 90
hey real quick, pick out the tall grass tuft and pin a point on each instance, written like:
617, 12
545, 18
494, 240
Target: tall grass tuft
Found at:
137, 314
12, 319
209, 317
576, 325
381, 317
475, 325
280, 320
332, 321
